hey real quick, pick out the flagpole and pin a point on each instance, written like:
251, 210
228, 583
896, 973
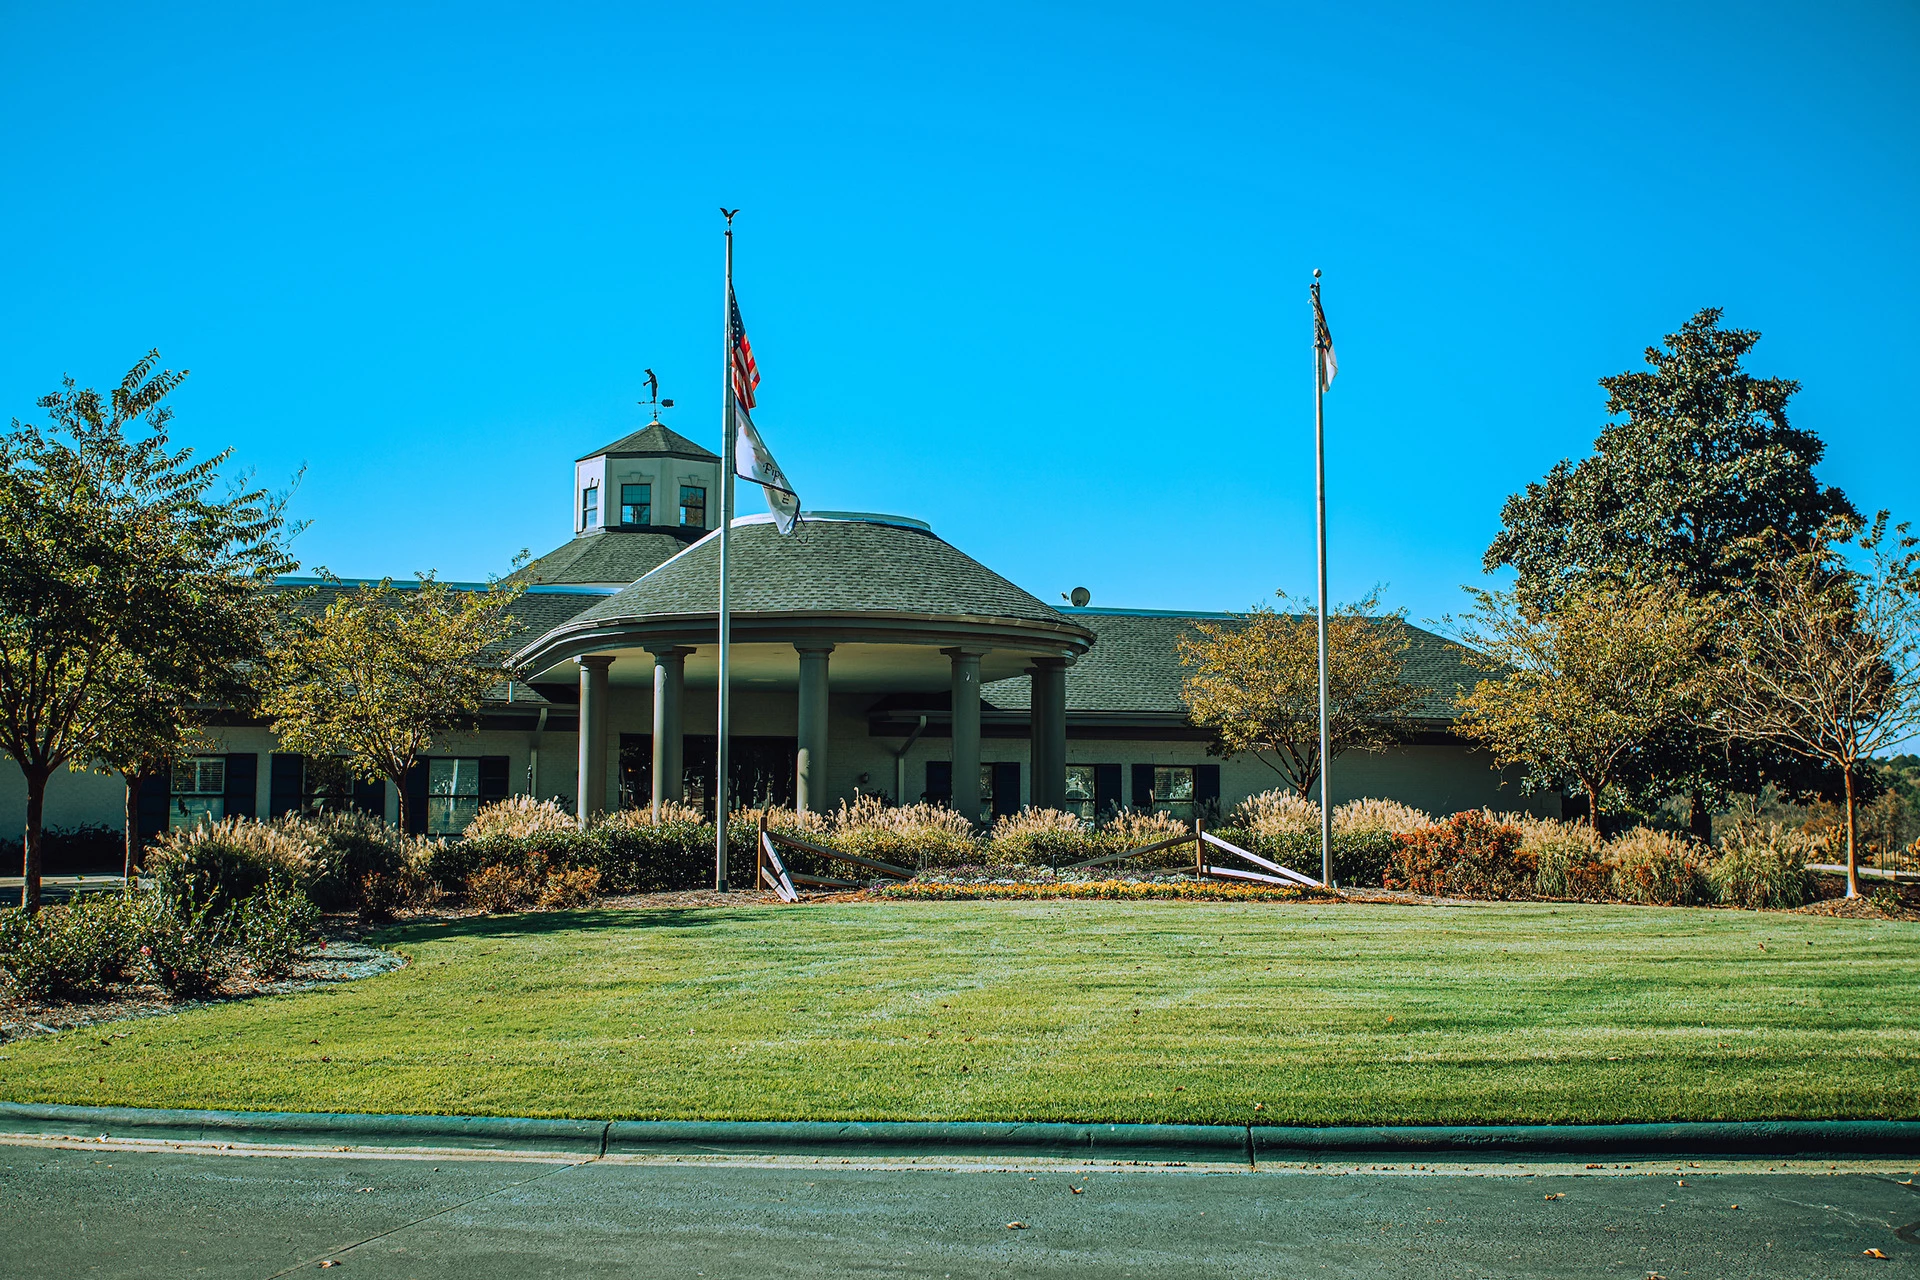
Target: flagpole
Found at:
724, 498
1320, 501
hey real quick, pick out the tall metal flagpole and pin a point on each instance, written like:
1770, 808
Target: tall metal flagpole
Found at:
1320, 499
725, 498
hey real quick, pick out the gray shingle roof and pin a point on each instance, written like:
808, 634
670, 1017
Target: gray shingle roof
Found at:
1134, 666
608, 557
656, 437
537, 612
829, 565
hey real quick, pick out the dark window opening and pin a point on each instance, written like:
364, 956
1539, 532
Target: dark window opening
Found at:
693, 506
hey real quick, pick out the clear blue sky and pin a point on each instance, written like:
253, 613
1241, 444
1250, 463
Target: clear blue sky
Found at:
1034, 272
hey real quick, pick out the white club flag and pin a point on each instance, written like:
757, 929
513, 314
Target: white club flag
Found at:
751, 461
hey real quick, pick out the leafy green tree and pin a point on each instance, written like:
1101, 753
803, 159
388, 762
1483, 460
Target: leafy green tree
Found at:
384, 671
1255, 682
1699, 461
1584, 683
1824, 661
120, 568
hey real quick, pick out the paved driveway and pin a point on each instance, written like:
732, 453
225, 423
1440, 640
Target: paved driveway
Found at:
126, 1211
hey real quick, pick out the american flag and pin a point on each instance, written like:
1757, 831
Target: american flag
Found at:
745, 375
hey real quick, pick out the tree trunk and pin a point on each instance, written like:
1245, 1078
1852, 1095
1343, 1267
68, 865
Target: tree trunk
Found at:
133, 780
1593, 806
36, 816
1853, 858
399, 785
1699, 818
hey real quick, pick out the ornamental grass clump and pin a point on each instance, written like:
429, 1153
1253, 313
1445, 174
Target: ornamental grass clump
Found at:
1130, 830
220, 864
1570, 859
359, 863
913, 836
1659, 868
1283, 827
1469, 855
1044, 838
520, 818
1764, 865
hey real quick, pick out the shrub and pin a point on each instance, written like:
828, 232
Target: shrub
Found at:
274, 928
1044, 838
1469, 855
914, 835
1765, 865
500, 887
1886, 900
223, 863
1284, 828
1658, 868
1570, 859
72, 952
638, 851
189, 947
568, 887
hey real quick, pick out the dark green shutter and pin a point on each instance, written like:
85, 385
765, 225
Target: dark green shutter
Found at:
1206, 791
243, 780
286, 782
370, 797
939, 781
417, 799
1143, 787
493, 779
156, 802
1106, 789
1006, 788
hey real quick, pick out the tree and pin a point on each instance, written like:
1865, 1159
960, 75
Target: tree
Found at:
1584, 683
383, 671
1824, 662
1701, 461
119, 566
1255, 682
1698, 461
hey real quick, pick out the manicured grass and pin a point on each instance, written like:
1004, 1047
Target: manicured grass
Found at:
1322, 1014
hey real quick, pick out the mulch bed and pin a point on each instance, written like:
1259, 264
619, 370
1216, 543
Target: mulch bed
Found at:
339, 959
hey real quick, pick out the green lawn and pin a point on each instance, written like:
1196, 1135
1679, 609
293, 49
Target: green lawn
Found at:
1323, 1014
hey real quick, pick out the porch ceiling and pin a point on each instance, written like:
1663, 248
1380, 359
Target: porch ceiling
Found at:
853, 668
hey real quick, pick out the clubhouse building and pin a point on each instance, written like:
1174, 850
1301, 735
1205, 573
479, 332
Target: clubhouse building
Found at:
869, 657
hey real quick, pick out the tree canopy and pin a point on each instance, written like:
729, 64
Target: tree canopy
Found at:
384, 671
1255, 682
121, 569
1584, 683
1699, 460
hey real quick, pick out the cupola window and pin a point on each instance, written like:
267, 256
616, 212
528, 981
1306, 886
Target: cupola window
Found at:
636, 504
693, 506
590, 506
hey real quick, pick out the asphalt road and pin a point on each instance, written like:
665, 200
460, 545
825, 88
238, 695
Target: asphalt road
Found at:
122, 1211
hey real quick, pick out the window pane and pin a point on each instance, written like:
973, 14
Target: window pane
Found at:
196, 811
441, 777
201, 776
636, 504
693, 505
589, 506
1173, 784
449, 815
1080, 790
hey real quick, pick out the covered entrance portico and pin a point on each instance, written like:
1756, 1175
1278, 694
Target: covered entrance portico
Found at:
847, 611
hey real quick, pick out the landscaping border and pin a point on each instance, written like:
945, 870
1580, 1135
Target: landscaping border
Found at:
1158, 1143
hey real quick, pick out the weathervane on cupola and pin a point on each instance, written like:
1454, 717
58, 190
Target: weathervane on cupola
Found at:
653, 402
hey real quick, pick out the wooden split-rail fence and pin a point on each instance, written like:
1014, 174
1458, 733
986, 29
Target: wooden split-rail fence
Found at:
771, 869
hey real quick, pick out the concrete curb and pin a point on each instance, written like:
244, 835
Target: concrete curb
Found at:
1160, 1143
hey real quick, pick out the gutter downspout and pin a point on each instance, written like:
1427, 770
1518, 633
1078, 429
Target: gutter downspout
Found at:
900, 762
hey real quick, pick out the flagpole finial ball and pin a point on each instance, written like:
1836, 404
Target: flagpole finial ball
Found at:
1316, 273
